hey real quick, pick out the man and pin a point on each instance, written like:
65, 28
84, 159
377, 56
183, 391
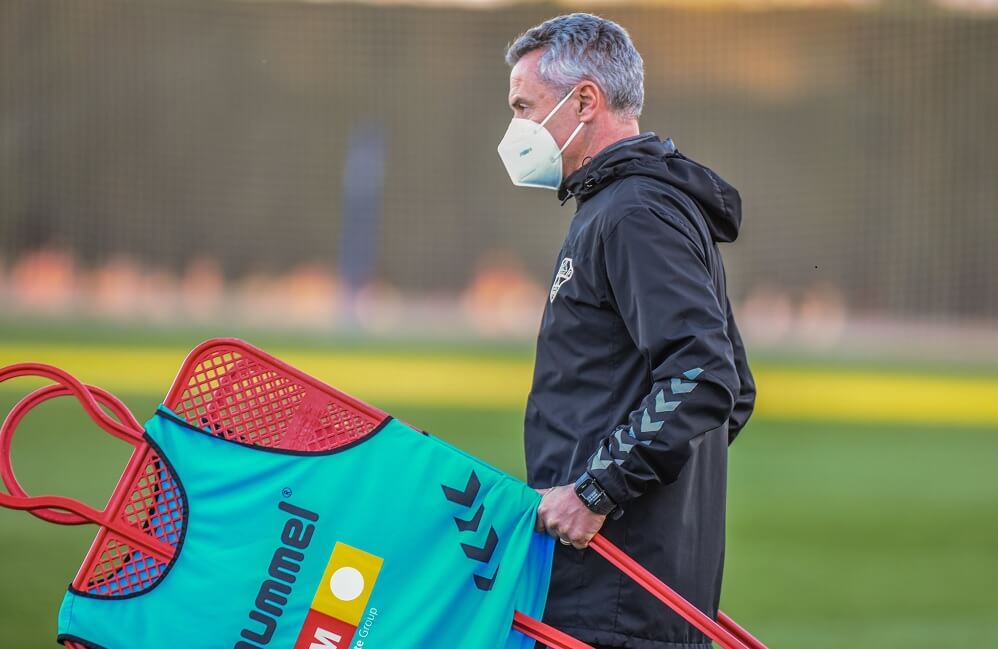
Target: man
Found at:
640, 381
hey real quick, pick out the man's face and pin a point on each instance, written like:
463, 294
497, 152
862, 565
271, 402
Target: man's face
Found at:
531, 98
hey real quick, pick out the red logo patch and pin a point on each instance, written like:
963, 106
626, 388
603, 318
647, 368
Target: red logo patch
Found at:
324, 632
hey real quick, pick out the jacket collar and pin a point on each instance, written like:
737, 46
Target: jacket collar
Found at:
599, 170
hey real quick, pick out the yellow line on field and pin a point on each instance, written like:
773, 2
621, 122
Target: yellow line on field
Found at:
482, 382
376, 377
876, 396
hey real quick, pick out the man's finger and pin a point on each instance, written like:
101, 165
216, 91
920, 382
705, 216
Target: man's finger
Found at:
539, 526
552, 529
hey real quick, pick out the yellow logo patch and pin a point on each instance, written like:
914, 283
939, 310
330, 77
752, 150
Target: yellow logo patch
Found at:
347, 584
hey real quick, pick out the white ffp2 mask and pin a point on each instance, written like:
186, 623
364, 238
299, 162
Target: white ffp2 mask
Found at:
530, 154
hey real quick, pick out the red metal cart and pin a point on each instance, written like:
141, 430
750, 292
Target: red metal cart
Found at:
243, 394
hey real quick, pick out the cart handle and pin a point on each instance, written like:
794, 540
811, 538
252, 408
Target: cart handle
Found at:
724, 631
58, 509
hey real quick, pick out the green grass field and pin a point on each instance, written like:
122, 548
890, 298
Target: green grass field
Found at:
842, 532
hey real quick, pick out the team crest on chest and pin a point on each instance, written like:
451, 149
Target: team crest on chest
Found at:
565, 272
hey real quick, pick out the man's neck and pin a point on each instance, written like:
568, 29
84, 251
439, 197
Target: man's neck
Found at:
601, 139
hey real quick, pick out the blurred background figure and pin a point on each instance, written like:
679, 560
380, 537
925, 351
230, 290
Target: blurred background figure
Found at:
321, 179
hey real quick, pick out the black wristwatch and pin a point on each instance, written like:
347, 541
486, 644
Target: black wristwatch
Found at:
593, 496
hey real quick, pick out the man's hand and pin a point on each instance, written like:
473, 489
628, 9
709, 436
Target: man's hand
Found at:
563, 515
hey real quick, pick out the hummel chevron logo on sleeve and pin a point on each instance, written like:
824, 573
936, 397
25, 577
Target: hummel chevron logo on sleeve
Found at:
648, 425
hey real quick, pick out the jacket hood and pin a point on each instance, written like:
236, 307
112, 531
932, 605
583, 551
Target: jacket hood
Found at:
648, 155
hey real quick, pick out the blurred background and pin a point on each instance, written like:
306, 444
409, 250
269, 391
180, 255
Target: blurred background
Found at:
320, 178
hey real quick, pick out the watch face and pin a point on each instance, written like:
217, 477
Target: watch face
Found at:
597, 500
592, 493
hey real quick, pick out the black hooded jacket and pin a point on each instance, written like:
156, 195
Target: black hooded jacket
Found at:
641, 379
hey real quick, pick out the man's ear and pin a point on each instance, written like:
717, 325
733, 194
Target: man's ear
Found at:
590, 101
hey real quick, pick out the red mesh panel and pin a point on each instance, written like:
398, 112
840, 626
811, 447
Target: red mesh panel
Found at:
337, 426
154, 504
246, 400
118, 570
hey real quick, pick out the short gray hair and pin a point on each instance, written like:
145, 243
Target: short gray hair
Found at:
583, 46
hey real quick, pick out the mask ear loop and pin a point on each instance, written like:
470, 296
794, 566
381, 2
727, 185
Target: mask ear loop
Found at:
569, 140
551, 114
557, 106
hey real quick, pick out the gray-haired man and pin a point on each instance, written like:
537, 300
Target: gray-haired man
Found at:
640, 379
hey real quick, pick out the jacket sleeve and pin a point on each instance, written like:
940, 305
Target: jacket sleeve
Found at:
745, 403
661, 286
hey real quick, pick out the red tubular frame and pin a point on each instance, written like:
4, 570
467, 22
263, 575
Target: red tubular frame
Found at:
13, 419
724, 631
739, 632
123, 425
59, 509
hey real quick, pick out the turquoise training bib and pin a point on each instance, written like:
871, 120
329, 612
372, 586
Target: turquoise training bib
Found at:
397, 541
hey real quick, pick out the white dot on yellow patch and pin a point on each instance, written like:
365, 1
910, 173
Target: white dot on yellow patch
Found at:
346, 584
